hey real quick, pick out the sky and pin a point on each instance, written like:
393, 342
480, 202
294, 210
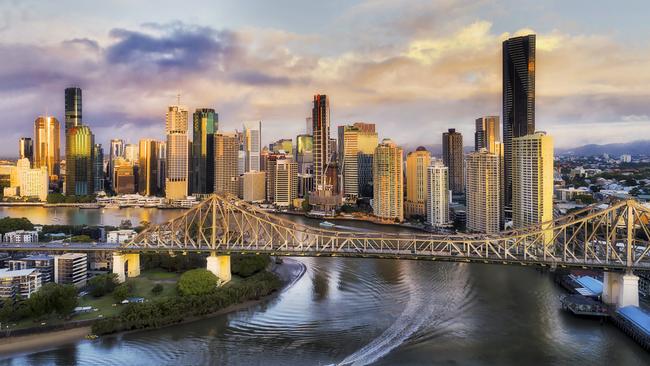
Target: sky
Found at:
414, 68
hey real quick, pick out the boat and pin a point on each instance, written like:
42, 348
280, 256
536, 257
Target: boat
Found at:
326, 224
91, 337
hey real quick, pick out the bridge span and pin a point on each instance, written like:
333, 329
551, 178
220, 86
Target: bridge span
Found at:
613, 237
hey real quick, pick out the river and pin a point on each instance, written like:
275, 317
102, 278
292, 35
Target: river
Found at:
370, 312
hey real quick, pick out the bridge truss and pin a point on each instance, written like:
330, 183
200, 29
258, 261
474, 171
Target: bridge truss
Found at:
603, 236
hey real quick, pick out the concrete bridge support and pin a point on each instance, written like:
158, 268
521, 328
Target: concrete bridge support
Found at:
621, 289
126, 265
220, 266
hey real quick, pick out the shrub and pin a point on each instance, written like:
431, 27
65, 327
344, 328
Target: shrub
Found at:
157, 289
103, 284
122, 291
197, 282
248, 265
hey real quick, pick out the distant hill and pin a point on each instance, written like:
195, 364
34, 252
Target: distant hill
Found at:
641, 147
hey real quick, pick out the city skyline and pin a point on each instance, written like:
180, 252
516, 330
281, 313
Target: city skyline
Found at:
133, 69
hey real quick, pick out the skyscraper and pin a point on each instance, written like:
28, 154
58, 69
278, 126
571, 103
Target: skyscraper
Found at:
131, 153
72, 107
305, 153
437, 205
98, 168
282, 145
252, 145
452, 157
176, 184
417, 163
26, 149
226, 177
116, 151
285, 181
321, 133
483, 192
359, 138
532, 180
206, 123
518, 100
487, 133
79, 161
148, 168
388, 202
46, 150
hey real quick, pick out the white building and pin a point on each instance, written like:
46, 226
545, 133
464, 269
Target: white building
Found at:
120, 236
252, 145
437, 207
20, 236
626, 158
483, 192
20, 283
285, 182
71, 269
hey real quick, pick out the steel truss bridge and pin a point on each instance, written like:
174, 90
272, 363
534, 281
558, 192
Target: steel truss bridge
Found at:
614, 236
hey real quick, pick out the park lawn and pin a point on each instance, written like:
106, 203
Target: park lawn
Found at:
159, 275
104, 304
143, 284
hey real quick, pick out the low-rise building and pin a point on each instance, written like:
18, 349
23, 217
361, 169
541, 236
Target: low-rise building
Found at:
20, 283
120, 236
71, 269
21, 236
44, 264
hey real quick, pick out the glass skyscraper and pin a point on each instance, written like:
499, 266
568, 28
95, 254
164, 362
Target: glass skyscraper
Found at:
206, 124
518, 99
79, 144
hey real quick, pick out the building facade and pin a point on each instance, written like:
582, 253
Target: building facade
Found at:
226, 154
177, 161
437, 204
483, 192
79, 161
205, 124
388, 200
98, 168
46, 145
254, 186
285, 181
321, 136
148, 180
359, 138
518, 100
305, 154
487, 134
20, 283
252, 145
71, 269
452, 157
116, 151
26, 149
417, 163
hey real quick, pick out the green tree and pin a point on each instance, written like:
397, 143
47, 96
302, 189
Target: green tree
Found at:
81, 239
53, 298
197, 282
55, 198
103, 284
248, 265
121, 292
8, 224
157, 289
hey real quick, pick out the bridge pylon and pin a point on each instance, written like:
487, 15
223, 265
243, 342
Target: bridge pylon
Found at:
219, 265
126, 265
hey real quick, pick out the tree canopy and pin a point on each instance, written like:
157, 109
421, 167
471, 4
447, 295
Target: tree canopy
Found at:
8, 224
197, 282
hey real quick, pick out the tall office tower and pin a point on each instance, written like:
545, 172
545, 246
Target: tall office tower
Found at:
124, 181
79, 161
487, 134
252, 145
364, 167
321, 134
417, 163
452, 156
359, 138
388, 202
282, 146
176, 180
254, 189
264, 157
72, 107
98, 168
148, 167
226, 177
285, 181
310, 126
26, 149
206, 124
161, 146
437, 205
131, 152
116, 151
305, 153
483, 192
518, 100
333, 150
532, 180
46, 149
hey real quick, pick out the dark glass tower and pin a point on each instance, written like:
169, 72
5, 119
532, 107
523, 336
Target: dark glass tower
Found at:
452, 157
518, 99
72, 107
321, 137
205, 125
26, 149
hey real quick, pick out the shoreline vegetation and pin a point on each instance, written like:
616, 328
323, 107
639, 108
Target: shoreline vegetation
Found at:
161, 313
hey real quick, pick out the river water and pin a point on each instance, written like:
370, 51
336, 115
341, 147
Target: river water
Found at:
373, 312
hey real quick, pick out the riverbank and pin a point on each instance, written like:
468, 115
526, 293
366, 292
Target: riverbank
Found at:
289, 272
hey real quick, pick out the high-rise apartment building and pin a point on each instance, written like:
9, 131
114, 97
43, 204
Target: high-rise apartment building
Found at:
206, 124
254, 189
483, 192
176, 180
226, 175
79, 161
252, 145
321, 135
417, 163
285, 181
437, 205
71, 269
46, 145
116, 151
518, 100
532, 180
162, 165
148, 180
26, 149
359, 138
388, 201
364, 168
487, 134
452, 157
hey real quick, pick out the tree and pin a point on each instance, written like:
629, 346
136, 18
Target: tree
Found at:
8, 224
55, 198
248, 265
197, 282
103, 284
126, 224
81, 239
157, 289
306, 206
53, 297
121, 292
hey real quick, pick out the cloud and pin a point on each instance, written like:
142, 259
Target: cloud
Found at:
86, 42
